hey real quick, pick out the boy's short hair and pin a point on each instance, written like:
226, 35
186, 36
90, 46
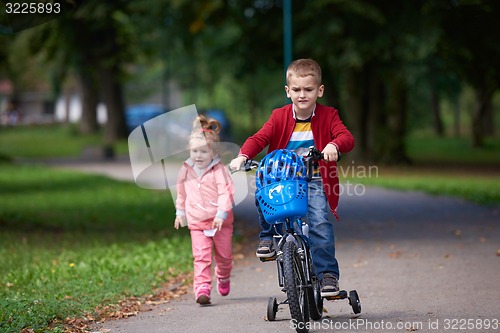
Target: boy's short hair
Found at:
304, 67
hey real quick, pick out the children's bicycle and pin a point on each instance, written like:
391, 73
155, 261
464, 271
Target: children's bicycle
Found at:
282, 195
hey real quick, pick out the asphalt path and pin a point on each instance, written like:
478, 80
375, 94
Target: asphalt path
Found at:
419, 263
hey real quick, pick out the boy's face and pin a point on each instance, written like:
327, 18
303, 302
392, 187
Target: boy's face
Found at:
304, 91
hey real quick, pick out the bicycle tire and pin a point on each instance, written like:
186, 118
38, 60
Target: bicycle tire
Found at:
295, 287
315, 301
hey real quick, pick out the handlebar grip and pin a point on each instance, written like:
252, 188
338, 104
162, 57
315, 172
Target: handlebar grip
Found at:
247, 166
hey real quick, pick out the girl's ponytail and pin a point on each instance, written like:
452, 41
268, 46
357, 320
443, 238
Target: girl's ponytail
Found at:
207, 129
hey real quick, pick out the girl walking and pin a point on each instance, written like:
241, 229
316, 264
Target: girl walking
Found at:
204, 203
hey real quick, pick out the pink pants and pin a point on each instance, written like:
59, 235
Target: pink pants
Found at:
202, 253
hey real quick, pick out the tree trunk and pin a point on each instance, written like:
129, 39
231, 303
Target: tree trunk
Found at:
376, 118
456, 117
113, 98
489, 119
356, 114
483, 99
67, 104
252, 105
88, 121
332, 89
435, 108
396, 110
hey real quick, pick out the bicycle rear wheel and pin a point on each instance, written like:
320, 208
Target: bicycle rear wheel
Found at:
295, 286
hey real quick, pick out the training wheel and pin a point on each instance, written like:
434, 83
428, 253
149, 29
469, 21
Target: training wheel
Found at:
354, 301
272, 308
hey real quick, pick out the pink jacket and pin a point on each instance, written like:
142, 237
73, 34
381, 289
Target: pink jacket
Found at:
202, 198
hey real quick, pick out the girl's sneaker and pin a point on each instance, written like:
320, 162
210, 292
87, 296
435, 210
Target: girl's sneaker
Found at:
223, 286
203, 296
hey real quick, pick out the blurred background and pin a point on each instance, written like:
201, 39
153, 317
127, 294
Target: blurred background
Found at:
416, 82
398, 71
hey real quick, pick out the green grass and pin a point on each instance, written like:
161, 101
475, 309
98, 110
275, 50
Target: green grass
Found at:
428, 149
37, 197
441, 166
70, 242
474, 186
49, 141
47, 277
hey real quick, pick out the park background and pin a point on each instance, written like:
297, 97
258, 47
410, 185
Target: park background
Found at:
415, 81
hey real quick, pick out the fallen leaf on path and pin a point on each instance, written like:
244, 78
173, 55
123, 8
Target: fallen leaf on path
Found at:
412, 329
157, 302
167, 310
359, 264
396, 254
128, 307
239, 256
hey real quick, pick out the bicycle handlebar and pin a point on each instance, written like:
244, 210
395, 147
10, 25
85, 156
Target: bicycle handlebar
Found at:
247, 166
313, 155
250, 165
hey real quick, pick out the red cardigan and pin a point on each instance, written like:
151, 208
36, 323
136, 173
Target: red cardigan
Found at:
326, 128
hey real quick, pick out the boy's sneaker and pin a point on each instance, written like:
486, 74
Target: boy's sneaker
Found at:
265, 249
203, 296
329, 285
223, 286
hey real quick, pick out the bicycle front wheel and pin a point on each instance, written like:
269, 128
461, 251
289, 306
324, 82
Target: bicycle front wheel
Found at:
296, 289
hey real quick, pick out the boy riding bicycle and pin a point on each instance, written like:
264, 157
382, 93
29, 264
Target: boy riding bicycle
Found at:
296, 127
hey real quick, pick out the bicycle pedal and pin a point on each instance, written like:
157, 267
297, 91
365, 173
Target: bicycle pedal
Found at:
268, 259
333, 298
342, 295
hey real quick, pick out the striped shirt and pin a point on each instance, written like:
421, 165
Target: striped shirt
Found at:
302, 138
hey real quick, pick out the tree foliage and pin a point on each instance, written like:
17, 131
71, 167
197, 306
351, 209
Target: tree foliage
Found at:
376, 57
470, 49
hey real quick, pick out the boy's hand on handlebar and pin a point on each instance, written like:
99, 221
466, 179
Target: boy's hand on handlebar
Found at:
236, 163
330, 153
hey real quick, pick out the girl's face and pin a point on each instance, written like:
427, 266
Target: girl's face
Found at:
200, 153
304, 91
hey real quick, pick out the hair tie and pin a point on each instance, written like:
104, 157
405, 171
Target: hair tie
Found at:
206, 130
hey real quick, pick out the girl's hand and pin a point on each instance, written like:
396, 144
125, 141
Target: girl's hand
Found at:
180, 221
330, 153
237, 162
217, 224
